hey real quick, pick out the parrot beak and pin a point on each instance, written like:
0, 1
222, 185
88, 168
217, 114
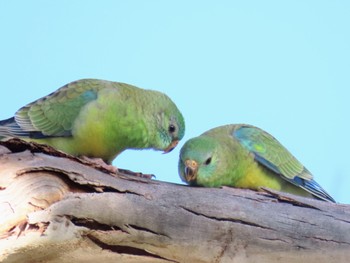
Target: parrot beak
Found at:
191, 170
171, 146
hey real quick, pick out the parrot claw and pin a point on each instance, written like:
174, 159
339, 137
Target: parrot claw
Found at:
137, 174
100, 164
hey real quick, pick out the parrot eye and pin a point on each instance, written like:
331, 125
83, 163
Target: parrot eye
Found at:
208, 161
172, 128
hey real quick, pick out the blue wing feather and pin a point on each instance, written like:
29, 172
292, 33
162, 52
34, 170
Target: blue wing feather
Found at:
257, 142
313, 187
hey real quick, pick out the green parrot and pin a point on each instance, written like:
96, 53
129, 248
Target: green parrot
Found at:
99, 119
245, 156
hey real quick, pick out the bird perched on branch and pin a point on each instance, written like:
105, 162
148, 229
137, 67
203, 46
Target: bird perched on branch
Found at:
100, 119
245, 156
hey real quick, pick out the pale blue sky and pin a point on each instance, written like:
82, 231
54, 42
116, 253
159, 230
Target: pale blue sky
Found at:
281, 65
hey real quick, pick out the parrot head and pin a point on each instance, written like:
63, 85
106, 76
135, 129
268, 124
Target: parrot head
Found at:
199, 160
170, 128
172, 135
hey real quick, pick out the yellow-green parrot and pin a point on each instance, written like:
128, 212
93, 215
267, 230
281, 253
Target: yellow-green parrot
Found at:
245, 156
99, 119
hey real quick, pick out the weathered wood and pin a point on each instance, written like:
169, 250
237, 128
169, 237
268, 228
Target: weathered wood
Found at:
56, 208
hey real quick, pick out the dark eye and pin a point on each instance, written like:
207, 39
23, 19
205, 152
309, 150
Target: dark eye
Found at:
208, 161
172, 128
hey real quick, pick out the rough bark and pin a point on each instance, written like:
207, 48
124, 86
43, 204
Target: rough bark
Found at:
57, 208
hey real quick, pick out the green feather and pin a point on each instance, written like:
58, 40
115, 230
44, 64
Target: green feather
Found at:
270, 152
247, 157
99, 118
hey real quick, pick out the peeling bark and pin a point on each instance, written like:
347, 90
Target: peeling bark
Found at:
58, 208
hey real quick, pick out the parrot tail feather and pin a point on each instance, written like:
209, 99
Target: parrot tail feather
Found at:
9, 129
313, 188
6, 127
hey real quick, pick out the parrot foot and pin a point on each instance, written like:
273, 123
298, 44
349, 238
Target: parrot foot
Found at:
99, 164
137, 174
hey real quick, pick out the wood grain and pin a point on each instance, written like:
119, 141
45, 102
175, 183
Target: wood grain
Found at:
58, 209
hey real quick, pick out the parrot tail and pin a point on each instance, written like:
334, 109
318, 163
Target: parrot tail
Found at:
9, 129
6, 127
314, 188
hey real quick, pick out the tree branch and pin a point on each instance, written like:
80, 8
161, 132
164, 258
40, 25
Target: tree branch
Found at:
58, 208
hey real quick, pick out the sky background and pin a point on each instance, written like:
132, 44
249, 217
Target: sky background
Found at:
283, 66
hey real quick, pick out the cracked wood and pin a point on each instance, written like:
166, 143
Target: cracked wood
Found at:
49, 199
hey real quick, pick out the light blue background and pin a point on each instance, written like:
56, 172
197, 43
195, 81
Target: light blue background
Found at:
281, 65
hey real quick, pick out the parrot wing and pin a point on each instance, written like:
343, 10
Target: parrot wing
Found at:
273, 155
54, 115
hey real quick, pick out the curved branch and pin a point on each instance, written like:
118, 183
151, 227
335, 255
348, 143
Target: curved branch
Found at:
58, 208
